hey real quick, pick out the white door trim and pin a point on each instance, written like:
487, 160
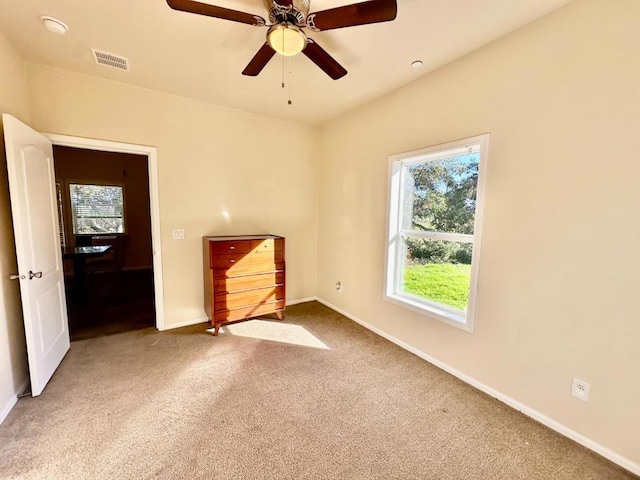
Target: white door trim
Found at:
152, 156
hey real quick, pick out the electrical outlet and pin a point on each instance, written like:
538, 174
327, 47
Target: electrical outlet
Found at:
178, 234
580, 389
339, 286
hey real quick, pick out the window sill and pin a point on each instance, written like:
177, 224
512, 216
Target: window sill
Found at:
431, 311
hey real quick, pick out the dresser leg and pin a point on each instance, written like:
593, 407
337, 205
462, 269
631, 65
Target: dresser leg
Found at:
215, 331
279, 314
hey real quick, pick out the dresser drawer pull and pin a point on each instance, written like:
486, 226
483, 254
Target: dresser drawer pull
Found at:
232, 248
232, 261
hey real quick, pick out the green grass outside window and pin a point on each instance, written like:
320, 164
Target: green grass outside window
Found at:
444, 283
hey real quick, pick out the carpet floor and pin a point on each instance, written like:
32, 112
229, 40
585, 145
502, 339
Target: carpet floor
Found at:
315, 396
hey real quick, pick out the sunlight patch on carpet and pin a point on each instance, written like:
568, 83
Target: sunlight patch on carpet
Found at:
275, 332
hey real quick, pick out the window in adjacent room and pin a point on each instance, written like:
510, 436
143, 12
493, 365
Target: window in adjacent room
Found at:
96, 209
435, 221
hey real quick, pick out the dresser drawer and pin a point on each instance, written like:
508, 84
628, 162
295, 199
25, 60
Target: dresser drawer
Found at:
229, 301
247, 312
230, 247
267, 258
229, 261
247, 282
267, 245
246, 264
246, 269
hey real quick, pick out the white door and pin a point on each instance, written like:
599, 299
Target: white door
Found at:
35, 224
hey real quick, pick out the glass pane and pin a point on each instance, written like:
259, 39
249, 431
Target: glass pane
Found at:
87, 225
97, 208
438, 271
440, 195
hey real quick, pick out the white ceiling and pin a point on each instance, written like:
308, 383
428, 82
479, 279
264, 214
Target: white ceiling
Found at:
202, 58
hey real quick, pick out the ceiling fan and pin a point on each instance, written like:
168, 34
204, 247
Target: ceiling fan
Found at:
288, 18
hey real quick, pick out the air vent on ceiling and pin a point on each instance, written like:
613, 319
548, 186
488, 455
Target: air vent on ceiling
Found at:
110, 60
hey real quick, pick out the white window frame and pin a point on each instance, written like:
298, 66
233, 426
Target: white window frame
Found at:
394, 245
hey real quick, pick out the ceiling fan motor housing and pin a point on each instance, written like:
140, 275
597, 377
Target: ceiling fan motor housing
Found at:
295, 13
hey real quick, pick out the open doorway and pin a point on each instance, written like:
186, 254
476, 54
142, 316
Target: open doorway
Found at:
141, 272
104, 216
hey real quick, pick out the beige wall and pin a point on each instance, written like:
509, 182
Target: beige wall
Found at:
211, 159
13, 355
559, 290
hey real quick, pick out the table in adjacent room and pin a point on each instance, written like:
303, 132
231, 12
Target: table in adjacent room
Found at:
79, 256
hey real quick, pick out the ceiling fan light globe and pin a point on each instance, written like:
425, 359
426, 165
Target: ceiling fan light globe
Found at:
287, 40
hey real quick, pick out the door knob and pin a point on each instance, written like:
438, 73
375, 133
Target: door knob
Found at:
17, 277
34, 275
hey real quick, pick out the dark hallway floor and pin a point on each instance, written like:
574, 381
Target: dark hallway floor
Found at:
113, 304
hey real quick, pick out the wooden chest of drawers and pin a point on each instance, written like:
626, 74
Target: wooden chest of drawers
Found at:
244, 277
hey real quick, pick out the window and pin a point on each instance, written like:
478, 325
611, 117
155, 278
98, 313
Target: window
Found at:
435, 220
96, 209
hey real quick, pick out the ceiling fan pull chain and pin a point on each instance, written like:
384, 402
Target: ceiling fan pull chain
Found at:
289, 101
282, 62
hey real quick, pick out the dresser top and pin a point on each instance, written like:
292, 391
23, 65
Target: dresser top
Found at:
239, 237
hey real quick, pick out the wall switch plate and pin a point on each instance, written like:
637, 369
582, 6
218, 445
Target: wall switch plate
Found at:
178, 233
580, 389
339, 286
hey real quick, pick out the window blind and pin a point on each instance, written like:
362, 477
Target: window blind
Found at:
97, 209
60, 217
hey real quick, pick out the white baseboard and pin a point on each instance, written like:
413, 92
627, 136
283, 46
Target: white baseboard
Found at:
12, 402
7, 408
195, 321
186, 323
300, 300
521, 407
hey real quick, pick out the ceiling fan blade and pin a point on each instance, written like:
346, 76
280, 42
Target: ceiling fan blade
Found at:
190, 6
259, 61
373, 11
326, 62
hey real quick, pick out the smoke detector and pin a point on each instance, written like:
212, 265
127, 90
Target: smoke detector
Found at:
54, 25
